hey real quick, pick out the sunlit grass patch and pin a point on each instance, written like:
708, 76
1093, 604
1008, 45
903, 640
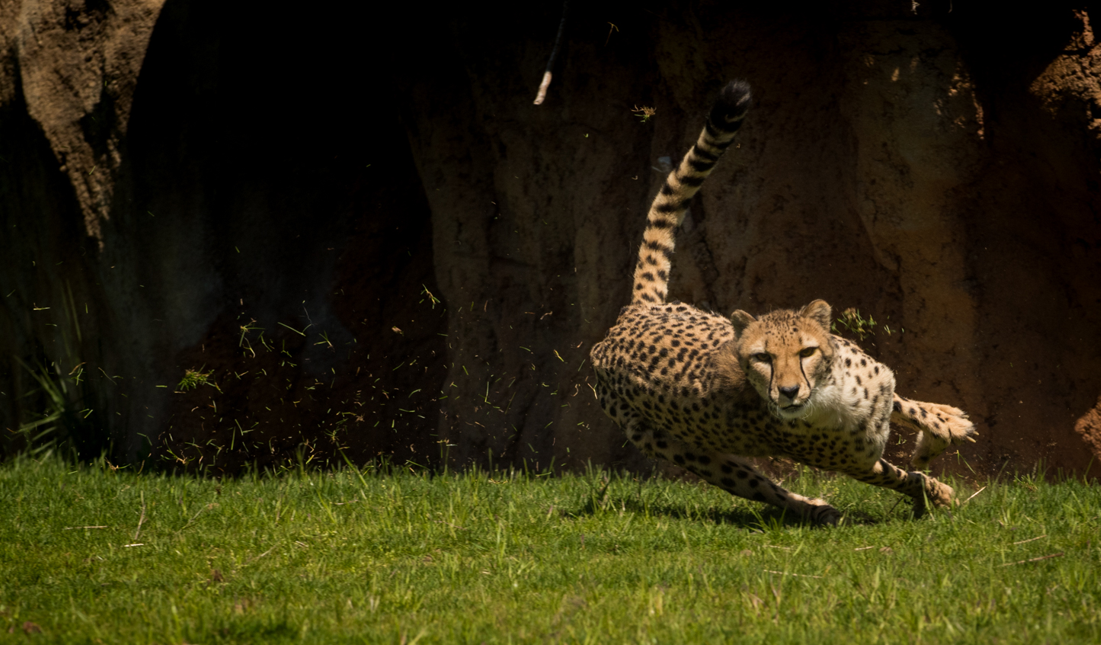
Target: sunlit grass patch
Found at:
388, 554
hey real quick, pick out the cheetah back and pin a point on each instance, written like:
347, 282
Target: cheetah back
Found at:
660, 363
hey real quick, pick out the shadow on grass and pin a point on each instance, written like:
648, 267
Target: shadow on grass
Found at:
255, 630
741, 517
751, 516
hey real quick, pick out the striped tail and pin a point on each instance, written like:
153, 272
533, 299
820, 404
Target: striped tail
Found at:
656, 253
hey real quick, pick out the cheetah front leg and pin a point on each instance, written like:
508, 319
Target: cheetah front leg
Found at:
938, 426
733, 474
918, 486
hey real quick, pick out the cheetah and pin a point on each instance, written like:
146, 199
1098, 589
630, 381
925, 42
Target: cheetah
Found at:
705, 392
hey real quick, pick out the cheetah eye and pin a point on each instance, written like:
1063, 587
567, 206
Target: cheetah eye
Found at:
807, 352
761, 358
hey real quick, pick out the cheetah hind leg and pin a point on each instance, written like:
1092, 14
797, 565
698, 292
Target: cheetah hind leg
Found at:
920, 487
732, 474
938, 426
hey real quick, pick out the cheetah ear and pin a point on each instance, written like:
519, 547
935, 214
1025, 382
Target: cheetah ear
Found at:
741, 320
818, 311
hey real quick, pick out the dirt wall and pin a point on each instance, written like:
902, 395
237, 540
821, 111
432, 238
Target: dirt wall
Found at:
370, 239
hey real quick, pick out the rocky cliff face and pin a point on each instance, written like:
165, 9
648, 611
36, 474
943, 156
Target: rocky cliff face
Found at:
368, 238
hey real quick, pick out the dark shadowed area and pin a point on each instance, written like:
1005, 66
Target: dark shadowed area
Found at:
236, 237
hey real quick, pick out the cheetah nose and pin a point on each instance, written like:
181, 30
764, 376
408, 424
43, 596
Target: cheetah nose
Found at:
790, 392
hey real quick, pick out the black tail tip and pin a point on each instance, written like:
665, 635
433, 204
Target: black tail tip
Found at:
733, 103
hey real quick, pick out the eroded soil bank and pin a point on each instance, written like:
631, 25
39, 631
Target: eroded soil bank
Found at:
370, 238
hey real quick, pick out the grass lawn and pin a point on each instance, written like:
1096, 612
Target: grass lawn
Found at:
88, 554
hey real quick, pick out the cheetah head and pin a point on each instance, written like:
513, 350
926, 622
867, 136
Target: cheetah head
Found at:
786, 355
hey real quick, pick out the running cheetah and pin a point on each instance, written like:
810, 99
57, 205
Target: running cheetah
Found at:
705, 391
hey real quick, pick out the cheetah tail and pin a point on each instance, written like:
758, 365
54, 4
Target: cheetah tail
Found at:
655, 255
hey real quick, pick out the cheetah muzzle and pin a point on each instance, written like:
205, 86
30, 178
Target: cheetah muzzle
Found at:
705, 392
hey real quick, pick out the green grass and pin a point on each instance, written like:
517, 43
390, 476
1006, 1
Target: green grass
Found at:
89, 554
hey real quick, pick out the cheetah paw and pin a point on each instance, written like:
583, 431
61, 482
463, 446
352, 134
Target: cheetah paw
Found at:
823, 514
938, 494
957, 426
953, 428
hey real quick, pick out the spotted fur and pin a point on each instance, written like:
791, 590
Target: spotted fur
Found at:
705, 392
